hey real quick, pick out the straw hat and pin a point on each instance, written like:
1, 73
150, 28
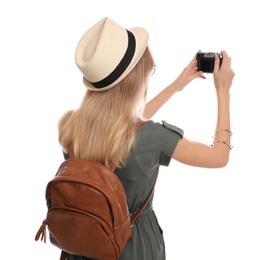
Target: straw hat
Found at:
107, 52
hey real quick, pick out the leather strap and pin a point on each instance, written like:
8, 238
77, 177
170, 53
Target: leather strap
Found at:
134, 217
113, 167
63, 255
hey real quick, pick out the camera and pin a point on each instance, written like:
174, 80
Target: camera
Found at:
205, 61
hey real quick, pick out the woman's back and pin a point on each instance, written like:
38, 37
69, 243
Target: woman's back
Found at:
154, 146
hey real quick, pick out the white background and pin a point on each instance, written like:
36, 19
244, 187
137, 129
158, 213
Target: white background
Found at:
205, 213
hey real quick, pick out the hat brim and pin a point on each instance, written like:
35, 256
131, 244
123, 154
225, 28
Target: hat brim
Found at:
141, 36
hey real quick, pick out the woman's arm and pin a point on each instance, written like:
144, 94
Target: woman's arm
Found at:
217, 155
187, 75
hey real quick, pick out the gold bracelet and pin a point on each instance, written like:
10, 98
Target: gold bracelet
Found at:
223, 142
227, 130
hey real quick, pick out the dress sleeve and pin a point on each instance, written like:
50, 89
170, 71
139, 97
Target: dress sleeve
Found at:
66, 155
158, 142
175, 135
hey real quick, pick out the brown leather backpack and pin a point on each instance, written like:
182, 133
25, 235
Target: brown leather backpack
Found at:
87, 211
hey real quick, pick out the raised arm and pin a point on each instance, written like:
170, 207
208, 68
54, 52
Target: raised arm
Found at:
201, 155
187, 75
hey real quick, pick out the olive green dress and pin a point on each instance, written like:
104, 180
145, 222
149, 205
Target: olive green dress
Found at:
155, 144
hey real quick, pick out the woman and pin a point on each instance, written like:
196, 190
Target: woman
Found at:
116, 65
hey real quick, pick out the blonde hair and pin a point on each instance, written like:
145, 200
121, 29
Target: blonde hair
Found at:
103, 128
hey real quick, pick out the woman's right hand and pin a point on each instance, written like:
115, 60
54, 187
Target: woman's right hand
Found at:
188, 74
223, 75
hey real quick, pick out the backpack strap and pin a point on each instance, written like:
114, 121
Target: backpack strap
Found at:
113, 167
63, 255
71, 152
135, 216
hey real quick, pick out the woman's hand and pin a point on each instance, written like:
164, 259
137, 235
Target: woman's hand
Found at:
223, 75
188, 74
